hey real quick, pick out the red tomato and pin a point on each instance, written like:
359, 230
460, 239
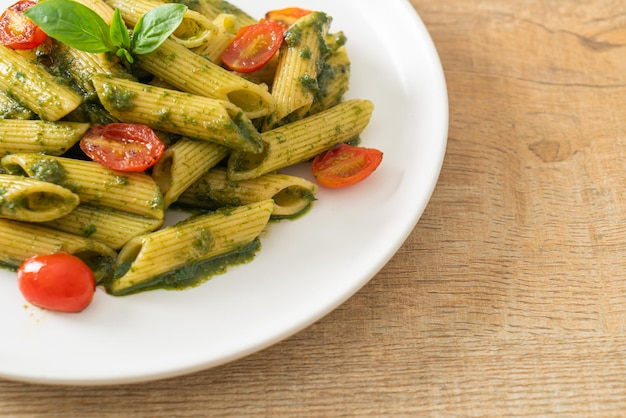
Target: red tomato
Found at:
287, 16
123, 146
16, 30
59, 282
345, 165
253, 46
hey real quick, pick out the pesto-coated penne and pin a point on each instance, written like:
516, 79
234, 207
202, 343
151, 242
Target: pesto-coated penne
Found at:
291, 194
12, 109
94, 183
20, 240
194, 74
31, 200
333, 79
145, 258
32, 86
221, 39
302, 140
80, 66
52, 138
180, 113
183, 163
193, 31
295, 82
213, 8
109, 226
100, 7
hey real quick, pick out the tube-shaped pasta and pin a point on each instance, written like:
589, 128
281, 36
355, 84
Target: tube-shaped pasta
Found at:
196, 239
302, 140
295, 81
193, 31
31, 200
20, 240
291, 194
194, 74
52, 138
180, 113
100, 7
183, 163
333, 79
94, 183
109, 226
32, 86
12, 109
225, 32
81, 66
213, 8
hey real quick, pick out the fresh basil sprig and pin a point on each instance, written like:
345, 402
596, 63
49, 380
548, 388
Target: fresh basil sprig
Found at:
80, 27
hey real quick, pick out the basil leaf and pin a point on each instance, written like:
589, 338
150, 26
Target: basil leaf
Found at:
156, 26
118, 31
73, 24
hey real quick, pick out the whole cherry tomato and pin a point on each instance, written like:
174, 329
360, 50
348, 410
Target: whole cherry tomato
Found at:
59, 282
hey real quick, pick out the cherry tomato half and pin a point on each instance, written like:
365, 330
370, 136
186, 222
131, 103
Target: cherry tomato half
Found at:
59, 282
254, 46
123, 146
16, 30
286, 16
345, 165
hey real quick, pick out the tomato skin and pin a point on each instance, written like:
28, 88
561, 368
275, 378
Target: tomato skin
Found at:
16, 30
253, 46
59, 282
287, 16
345, 165
123, 146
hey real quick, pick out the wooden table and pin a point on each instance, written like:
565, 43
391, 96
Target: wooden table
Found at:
509, 298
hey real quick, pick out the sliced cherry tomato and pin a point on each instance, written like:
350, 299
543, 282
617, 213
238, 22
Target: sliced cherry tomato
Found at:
123, 146
345, 165
59, 282
16, 30
286, 16
254, 46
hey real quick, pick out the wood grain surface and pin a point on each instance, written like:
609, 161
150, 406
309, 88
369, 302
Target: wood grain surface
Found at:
509, 297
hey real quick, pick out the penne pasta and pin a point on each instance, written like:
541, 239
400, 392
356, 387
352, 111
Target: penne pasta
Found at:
295, 82
300, 141
109, 226
195, 29
32, 86
291, 195
183, 163
94, 183
31, 200
180, 113
21, 240
194, 74
145, 259
12, 109
52, 138
213, 8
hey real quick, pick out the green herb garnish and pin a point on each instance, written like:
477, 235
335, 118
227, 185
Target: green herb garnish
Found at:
80, 27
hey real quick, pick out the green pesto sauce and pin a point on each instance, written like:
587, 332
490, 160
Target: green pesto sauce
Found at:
195, 274
308, 83
49, 170
89, 230
293, 36
118, 97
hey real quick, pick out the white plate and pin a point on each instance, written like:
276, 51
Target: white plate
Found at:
306, 267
